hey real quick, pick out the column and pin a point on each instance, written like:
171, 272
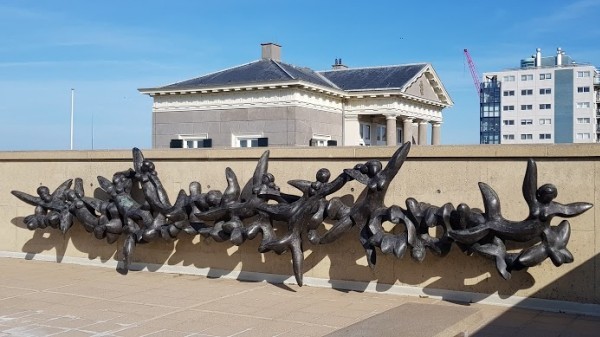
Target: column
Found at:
423, 132
351, 130
390, 130
407, 130
436, 133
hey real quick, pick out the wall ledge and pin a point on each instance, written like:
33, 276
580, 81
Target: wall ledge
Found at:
587, 151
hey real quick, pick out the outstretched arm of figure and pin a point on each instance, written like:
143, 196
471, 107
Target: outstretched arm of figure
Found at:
568, 210
28, 198
336, 184
232, 192
530, 184
395, 163
138, 159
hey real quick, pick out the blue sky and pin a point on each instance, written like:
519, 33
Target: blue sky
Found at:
108, 49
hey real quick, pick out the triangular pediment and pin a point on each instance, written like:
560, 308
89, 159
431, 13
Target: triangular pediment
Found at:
427, 85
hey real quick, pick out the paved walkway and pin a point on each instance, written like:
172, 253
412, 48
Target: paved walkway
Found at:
51, 299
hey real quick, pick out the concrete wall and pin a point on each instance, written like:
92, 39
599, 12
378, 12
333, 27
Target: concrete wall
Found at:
432, 174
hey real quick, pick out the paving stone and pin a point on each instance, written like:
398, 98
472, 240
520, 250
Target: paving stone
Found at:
78, 301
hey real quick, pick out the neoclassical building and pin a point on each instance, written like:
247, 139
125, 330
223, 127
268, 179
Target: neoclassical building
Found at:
271, 103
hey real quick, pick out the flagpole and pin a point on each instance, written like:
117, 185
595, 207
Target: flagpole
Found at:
72, 109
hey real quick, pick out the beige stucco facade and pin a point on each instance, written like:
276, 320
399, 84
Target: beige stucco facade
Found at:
293, 115
436, 175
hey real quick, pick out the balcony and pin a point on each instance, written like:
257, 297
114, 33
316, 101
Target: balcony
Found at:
596, 80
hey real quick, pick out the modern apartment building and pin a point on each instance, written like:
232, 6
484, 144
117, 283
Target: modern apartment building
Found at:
547, 100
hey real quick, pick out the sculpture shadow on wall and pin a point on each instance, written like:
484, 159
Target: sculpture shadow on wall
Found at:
134, 207
43, 240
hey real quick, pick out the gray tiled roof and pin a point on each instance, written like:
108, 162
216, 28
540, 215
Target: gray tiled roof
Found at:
266, 71
388, 77
261, 71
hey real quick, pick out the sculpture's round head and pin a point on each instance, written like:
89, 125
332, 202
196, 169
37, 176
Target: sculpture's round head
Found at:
362, 168
44, 193
195, 188
71, 195
323, 175
213, 198
121, 183
147, 166
546, 193
373, 167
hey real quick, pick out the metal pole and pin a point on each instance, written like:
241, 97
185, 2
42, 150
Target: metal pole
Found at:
72, 109
343, 122
92, 129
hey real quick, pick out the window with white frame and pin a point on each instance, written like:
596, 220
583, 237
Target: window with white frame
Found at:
546, 76
526, 136
246, 140
583, 105
545, 106
527, 77
319, 139
508, 137
584, 120
583, 89
545, 91
508, 122
526, 121
508, 108
491, 111
365, 133
508, 93
581, 136
581, 74
510, 78
193, 141
526, 107
381, 135
545, 121
545, 136
527, 92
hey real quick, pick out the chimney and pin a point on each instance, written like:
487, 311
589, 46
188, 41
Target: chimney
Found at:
559, 54
271, 51
338, 65
538, 57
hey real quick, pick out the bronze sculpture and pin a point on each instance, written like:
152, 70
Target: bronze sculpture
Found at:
237, 215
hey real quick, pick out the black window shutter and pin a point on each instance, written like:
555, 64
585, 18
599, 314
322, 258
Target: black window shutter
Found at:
207, 142
263, 142
332, 143
176, 143
313, 142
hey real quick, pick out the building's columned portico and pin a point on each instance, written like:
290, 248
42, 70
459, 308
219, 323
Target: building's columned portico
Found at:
436, 130
407, 123
368, 129
422, 140
390, 129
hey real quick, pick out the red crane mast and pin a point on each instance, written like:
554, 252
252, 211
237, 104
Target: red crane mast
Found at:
474, 73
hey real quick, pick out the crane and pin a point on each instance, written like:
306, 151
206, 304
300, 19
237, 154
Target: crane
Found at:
474, 73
